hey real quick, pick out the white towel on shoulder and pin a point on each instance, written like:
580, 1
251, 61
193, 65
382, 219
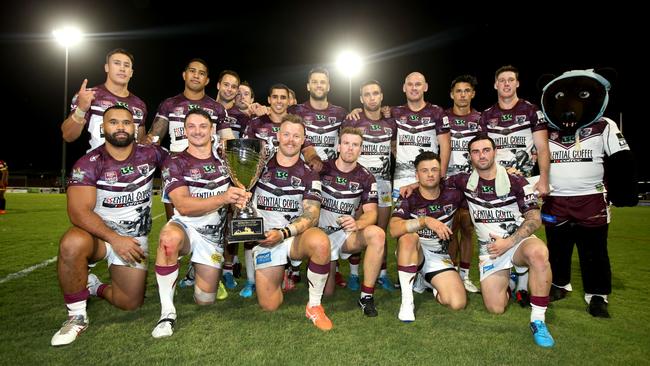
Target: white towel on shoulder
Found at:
501, 182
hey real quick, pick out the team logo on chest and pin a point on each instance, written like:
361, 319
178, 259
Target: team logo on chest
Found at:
295, 182
110, 177
426, 120
210, 168
266, 177
421, 212
434, 208
448, 209
354, 187
585, 132
308, 120
554, 135
520, 119
341, 180
127, 170
473, 126
222, 170
506, 117
195, 173
493, 122
331, 120
388, 131
137, 112
143, 169
281, 174
327, 180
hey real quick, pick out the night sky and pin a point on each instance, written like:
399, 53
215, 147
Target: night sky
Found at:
281, 41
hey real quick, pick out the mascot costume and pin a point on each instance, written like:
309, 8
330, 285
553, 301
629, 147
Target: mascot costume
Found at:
591, 167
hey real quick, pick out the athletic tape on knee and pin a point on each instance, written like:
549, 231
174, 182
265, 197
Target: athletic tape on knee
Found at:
204, 297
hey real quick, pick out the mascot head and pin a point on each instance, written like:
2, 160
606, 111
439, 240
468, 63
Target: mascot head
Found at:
574, 99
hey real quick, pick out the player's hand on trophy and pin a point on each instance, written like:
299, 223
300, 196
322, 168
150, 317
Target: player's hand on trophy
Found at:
128, 249
237, 196
273, 237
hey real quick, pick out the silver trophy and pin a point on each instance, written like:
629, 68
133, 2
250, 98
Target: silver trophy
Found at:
245, 159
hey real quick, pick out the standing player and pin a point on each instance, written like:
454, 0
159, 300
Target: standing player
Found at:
227, 90
422, 223
4, 182
288, 198
109, 205
464, 125
420, 127
89, 104
199, 187
347, 185
321, 118
518, 129
378, 147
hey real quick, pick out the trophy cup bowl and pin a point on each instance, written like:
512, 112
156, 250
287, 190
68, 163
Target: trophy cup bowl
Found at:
244, 159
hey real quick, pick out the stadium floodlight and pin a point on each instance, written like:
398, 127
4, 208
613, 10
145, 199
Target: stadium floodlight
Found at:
67, 37
350, 64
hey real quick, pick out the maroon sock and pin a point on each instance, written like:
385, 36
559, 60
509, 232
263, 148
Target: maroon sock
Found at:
541, 301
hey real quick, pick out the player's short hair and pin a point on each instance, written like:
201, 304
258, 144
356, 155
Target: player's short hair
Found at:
506, 68
479, 137
201, 61
370, 82
292, 118
469, 79
279, 86
246, 84
291, 92
200, 111
120, 51
117, 107
231, 73
318, 70
351, 131
426, 155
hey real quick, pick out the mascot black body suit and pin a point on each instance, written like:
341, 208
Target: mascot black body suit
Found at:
591, 166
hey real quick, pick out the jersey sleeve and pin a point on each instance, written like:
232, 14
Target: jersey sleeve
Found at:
313, 189
402, 209
172, 174
613, 139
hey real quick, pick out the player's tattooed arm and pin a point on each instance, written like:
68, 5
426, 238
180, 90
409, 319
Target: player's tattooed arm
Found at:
158, 128
309, 217
532, 222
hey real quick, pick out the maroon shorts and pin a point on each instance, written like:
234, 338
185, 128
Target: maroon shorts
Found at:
590, 210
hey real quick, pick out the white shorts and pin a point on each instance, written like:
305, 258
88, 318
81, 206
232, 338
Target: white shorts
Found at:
487, 266
337, 239
434, 262
384, 193
164, 197
203, 250
264, 257
113, 259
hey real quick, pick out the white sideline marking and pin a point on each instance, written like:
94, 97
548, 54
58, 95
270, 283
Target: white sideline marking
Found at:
28, 270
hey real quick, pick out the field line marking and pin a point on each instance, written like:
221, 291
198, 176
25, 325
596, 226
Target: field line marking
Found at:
28, 270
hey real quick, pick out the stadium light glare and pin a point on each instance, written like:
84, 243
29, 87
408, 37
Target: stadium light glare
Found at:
350, 64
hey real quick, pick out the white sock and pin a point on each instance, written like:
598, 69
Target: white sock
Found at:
464, 273
364, 294
166, 287
589, 296
250, 267
522, 281
537, 313
316, 286
406, 285
354, 269
382, 273
77, 308
235, 259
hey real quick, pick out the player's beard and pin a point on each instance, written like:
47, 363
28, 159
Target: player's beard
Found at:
313, 96
115, 141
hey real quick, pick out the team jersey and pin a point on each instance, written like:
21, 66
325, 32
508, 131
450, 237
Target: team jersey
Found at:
279, 192
123, 187
577, 158
237, 121
204, 178
343, 193
103, 100
491, 214
3, 165
416, 132
321, 126
512, 132
462, 130
441, 209
174, 110
376, 148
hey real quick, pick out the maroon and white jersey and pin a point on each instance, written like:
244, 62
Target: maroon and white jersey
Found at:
343, 193
123, 187
279, 192
491, 214
416, 132
204, 178
263, 128
237, 121
441, 209
174, 110
103, 100
376, 149
462, 129
577, 158
512, 132
321, 126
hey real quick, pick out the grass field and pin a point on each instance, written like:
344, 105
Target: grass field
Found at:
236, 331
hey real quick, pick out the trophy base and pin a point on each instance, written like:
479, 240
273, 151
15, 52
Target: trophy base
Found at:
242, 230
